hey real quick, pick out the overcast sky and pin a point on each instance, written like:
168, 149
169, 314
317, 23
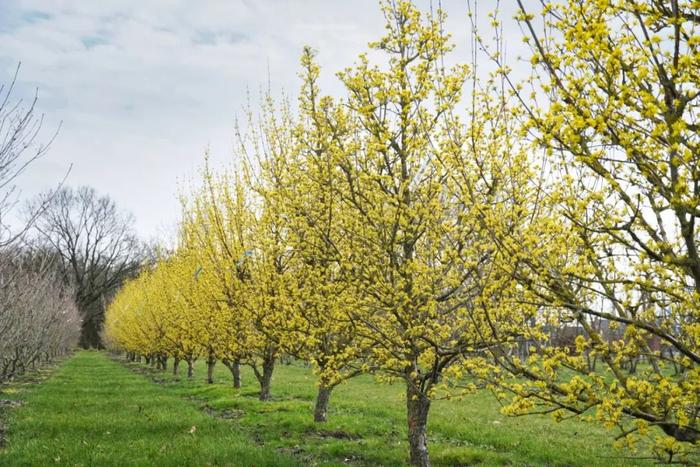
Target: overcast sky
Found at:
144, 87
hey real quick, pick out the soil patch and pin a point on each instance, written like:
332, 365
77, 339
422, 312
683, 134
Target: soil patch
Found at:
334, 434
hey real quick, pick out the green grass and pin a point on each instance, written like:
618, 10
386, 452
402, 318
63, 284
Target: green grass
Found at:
95, 411
466, 432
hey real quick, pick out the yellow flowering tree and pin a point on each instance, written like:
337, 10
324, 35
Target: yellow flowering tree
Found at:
236, 224
134, 319
414, 248
612, 245
325, 335
183, 308
215, 232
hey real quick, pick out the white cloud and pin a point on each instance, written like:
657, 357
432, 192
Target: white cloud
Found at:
144, 87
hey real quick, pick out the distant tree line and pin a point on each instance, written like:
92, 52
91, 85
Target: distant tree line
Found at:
95, 247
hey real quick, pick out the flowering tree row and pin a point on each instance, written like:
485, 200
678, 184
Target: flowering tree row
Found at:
405, 230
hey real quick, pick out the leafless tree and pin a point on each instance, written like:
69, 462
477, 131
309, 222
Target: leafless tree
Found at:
96, 245
38, 316
20, 127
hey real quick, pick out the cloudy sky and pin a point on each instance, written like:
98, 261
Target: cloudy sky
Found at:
144, 87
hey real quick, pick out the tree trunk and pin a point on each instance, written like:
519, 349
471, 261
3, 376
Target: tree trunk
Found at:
417, 406
235, 368
236, 372
190, 368
211, 361
176, 366
90, 330
322, 398
265, 379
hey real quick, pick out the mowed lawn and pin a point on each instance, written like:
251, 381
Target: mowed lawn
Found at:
96, 411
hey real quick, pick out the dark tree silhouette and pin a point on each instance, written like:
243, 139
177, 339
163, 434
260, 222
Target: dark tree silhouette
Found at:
97, 248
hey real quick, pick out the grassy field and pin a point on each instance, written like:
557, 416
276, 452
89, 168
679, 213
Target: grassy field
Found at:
95, 411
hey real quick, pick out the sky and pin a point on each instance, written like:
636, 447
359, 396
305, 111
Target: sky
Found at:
141, 89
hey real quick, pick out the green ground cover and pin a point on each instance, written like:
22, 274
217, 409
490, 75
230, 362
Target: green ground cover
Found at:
96, 411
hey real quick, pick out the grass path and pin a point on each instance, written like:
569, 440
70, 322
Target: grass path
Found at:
95, 412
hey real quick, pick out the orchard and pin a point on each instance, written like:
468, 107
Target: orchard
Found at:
435, 227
